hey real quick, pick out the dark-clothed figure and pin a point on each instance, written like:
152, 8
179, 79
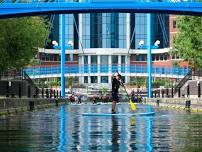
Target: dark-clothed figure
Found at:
116, 82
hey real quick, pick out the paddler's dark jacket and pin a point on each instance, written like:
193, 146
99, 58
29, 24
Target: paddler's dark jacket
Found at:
115, 85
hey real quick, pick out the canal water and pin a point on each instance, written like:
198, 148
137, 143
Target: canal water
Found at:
64, 129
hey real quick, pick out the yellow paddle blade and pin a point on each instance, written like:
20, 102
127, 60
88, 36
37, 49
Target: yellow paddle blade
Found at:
132, 120
132, 105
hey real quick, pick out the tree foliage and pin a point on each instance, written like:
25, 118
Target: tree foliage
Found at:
20, 39
140, 81
188, 41
161, 82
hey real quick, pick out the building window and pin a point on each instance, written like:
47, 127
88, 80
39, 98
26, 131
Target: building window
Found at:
174, 24
55, 57
153, 57
141, 57
86, 30
132, 57
43, 55
93, 79
95, 30
114, 59
157, 57
132, 27
114, 30
114, 63
104, 79
161, 57
104, 63
67, 57
93, 59
166, 57
75, 57
71, 57
85, 59
123, 79
123, 61
85, 79
104, 60
47, 57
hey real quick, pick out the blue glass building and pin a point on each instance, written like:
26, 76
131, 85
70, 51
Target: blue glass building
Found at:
106, 38
113, 30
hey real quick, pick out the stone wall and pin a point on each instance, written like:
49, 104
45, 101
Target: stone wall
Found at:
15, 87
191, 89
191, 104
11, 105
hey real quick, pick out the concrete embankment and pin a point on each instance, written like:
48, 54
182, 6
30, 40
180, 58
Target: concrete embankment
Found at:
190, 104
14, 105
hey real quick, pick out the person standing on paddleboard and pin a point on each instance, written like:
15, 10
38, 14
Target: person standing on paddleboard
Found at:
116, 82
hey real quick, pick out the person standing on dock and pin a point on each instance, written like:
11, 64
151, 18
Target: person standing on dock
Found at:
116, 82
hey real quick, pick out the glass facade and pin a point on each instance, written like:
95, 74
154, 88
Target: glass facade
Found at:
95, 30
109, 30
161, 29
122, 30
140, 29
86, 30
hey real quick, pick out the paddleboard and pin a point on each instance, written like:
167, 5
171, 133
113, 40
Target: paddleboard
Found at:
119, 114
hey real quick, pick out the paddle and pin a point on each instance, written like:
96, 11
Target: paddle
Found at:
132, 105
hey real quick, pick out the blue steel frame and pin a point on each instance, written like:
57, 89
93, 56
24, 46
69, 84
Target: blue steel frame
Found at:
149, 56
38, 7
62, 41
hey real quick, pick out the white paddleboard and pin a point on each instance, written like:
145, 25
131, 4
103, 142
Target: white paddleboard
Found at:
119, 114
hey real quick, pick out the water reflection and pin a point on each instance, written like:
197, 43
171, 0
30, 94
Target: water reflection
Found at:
115, 134
64, 129
62, 132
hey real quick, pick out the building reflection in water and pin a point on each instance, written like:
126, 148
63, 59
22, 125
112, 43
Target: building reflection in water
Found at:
62, 131
115, 133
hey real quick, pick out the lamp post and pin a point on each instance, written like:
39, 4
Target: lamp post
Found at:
154, 46
63, 48
149, 47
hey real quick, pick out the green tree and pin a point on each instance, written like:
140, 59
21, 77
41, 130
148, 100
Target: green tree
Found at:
160, 82
188, 41
70, 81
20, 39
104, 90
176, 64
140, 81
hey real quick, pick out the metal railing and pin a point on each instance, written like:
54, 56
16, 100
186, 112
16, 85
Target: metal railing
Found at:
183, 81
104, 69
29, 80
11, 75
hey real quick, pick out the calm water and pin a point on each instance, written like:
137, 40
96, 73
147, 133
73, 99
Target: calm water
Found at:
64, 129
